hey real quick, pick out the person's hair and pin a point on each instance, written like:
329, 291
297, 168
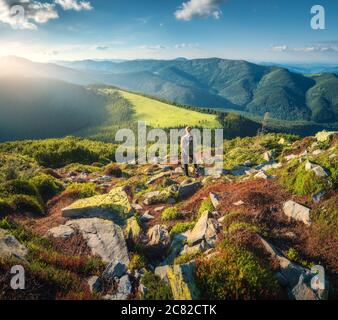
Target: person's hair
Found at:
188, 129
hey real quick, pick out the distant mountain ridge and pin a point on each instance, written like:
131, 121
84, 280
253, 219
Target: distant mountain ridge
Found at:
210, 83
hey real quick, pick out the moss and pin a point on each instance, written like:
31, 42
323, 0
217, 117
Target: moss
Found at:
157, 289
94, 168
299, 181
235, 226
47, 186
5, 208
327, 215
113, 170
235, 273
206, 205
171, 214
182, 227
186, 257
85, 190
137, 262
293, 255
116, 201
133, 229
23, 203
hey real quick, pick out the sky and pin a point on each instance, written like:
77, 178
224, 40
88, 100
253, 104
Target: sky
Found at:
254, 30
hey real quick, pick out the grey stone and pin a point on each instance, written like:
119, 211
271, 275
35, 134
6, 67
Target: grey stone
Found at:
214, 199
297, 212
125, 286
11, 247
115, 268
198, 233
62, 231
104, 237
303, 291
187, 190
147, 217
159, 235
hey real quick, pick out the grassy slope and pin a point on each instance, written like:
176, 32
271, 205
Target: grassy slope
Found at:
159, 114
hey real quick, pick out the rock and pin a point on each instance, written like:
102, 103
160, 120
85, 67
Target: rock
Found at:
319, 172
198, 233
297, 212
317, 152
181, 280
309, 166
10, 247
159, 209
114, 205
187, 190
102, 179
324, 136
151, 197
132, 229
211, 232
332, 156
214, 199
318, 196
62, 231
142, 290
94, 284
239, 203
159, 236
251, 172
137, 207
290, 157
289, 270
281, 141
124, 287
261, 175
158, 177
268, 166
198, 248
146, 217
239, 170
104, 237
303, 291
161, 272
268, 156
115, 269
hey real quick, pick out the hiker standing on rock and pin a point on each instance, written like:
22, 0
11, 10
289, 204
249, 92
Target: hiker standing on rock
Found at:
187, 152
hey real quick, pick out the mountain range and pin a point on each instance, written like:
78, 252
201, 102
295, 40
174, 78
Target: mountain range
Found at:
209, 83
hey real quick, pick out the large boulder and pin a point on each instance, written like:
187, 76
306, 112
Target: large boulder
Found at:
114, 205
104, 237
10, 247
181, 280
297, 212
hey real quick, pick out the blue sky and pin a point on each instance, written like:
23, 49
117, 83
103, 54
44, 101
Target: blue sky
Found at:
256, 30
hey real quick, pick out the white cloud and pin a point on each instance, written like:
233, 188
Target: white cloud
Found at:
74, 5
153, 47
26, 14
199, 8
280, 48
186, 45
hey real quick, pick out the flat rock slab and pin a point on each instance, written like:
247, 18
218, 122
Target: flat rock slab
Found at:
104, 237
114, 205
